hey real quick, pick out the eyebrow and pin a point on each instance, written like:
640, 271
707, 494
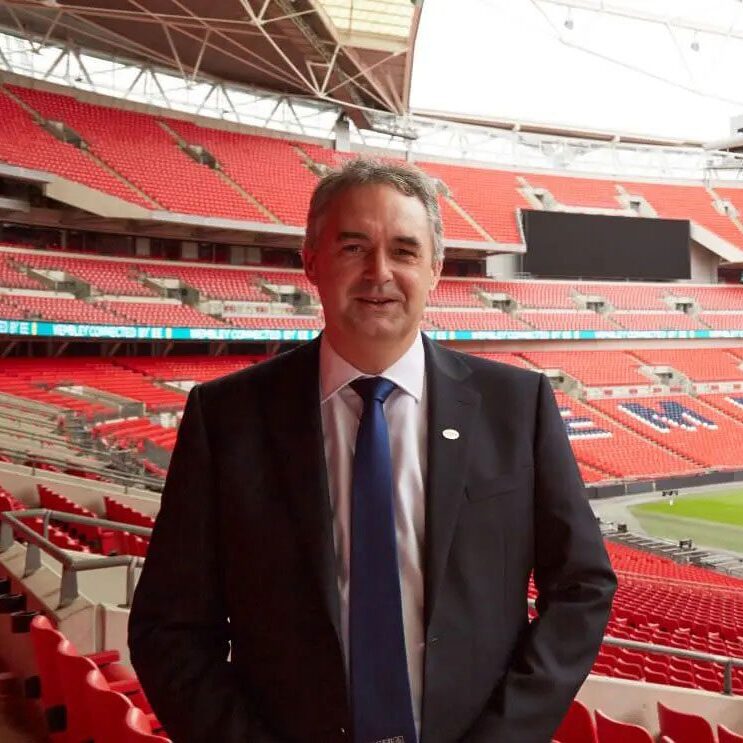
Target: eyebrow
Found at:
406, 239
352, 236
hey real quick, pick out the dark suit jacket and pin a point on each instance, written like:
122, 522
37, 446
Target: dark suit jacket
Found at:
242, 553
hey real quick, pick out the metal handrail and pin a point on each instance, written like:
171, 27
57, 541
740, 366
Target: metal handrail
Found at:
11, 524
125, 479
727, 662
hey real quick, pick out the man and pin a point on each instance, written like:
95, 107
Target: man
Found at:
357, 520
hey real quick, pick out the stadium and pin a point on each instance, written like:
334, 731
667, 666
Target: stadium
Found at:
156, 164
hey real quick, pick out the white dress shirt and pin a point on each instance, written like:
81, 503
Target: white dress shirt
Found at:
406, 413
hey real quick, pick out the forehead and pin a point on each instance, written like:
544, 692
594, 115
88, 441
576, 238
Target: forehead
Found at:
377, 206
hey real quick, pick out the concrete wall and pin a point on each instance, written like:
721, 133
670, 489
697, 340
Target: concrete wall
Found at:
636, 702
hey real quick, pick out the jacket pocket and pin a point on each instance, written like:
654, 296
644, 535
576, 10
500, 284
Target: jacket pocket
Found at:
482, 488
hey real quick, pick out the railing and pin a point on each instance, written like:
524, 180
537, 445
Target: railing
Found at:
725, 661
125, 479
36, 543
12, 524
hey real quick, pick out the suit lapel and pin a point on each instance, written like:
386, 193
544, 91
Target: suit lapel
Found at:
297, 429
453, 406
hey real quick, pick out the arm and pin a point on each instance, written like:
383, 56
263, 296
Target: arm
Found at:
178, 628
576, 584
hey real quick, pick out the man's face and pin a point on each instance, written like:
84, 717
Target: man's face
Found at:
373, 266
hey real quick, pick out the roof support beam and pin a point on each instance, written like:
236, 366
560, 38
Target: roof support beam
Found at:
617, 9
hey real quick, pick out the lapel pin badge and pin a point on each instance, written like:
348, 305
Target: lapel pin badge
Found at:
450, 433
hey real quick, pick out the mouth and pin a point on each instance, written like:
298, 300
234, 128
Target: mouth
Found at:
376, 301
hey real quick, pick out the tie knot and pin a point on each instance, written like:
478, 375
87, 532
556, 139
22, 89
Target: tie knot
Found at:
373, 388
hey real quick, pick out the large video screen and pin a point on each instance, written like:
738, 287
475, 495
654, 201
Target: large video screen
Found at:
599, 246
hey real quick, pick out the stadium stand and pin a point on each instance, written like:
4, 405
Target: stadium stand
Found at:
490, 197
705, 364
131, 143
26, 144
658, 321
625, 420
113, 277
61, 309
579, 320
473, 320
270, 169
160, 313
674, 201
592, 368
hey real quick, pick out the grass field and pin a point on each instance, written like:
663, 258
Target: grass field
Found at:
724, 507
712, 520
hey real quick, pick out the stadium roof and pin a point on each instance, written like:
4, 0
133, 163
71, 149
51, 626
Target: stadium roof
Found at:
653, 69
354, 52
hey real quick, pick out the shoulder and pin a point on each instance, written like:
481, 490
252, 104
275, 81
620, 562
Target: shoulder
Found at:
485, 372
262, 377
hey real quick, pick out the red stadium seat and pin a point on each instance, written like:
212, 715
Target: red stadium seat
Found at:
577, 726
613, 731
108, 709
45, 640
724, 735
73, 668
683, 727
138, 728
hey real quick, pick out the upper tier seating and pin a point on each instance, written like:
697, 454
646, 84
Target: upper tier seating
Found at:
579, 320
593, 368
627, 296
59, 309
725, 321
161, 313
674, 201
474, 320
276, 322
214, 282
536, 294
146, 155
576, 191
718, 297
455, 293
296, 279
14, 279
659, 321
115, 277
489, 196
704, 365
26, 144
268, 168
273, 171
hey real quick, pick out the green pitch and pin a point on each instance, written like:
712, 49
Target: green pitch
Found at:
714, 520
724, 507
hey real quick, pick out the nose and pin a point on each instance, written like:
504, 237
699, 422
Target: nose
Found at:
378, 267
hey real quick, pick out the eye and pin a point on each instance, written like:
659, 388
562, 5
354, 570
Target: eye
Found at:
406, 252
351, 248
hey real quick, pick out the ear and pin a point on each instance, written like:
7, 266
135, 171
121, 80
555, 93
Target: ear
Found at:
309, 260
437, 266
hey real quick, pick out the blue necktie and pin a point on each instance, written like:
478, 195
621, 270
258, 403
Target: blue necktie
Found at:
380, 688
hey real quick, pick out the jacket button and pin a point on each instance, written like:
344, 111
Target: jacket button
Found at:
342, 731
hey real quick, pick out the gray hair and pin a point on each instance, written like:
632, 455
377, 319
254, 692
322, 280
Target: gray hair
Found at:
407, 179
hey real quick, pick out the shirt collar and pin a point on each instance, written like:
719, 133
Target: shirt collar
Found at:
407, 372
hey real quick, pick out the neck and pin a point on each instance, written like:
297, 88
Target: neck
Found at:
372, 357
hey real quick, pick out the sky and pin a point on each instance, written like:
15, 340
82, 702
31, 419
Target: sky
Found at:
518, 60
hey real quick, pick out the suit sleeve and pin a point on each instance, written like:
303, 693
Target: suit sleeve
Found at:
573, 576
178, 626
